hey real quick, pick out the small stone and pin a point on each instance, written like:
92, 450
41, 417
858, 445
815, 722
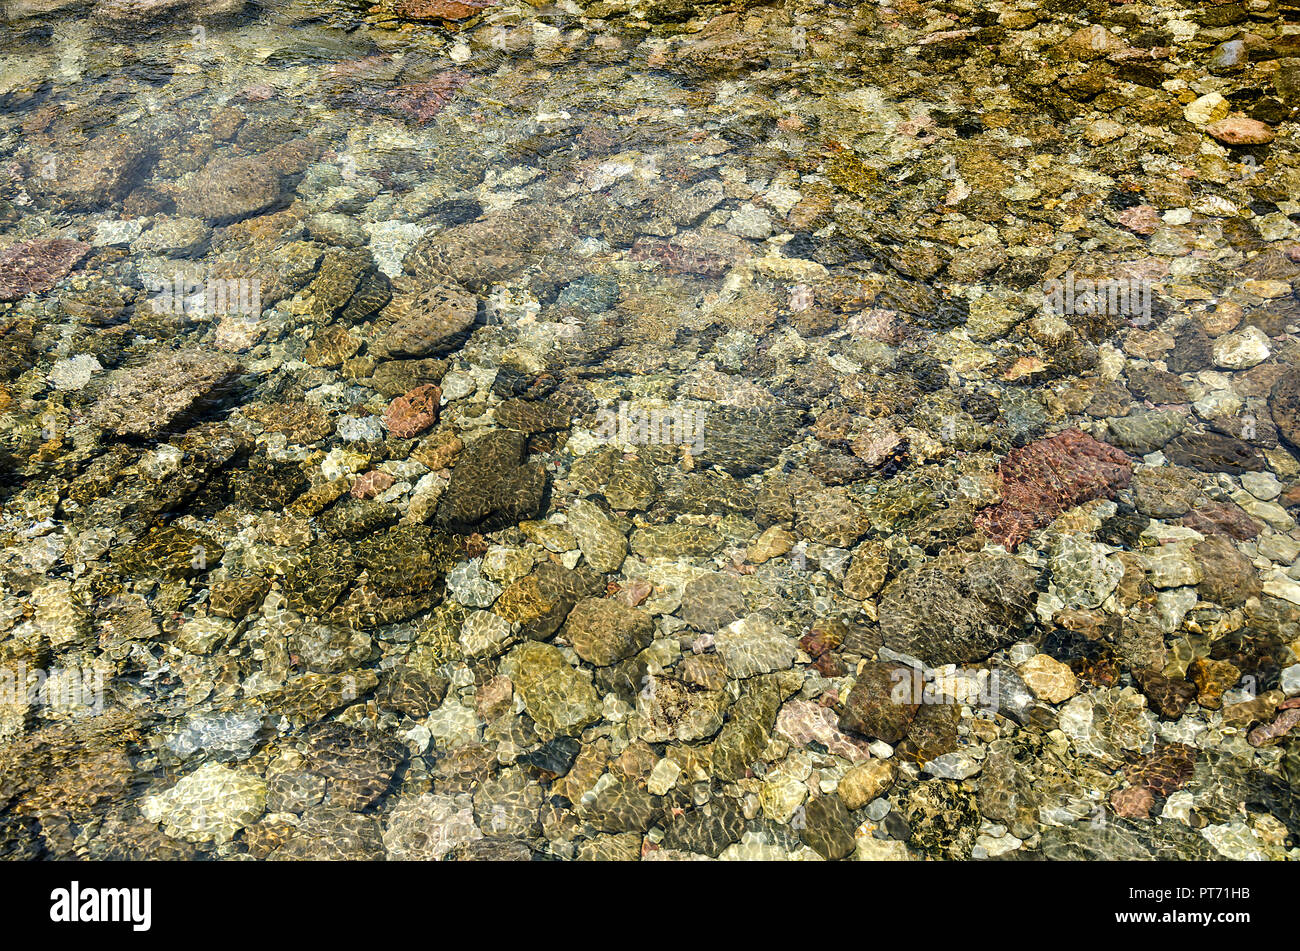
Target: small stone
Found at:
1102, 131
663, 777
227, 190
776, 540
604, 631
1206, 109
755, 645
1241, 350
1049, 679
866, 782
867, 571
74, 373
1173, 566
413, 413
1238, 130
211, 804
371, 484
33, 267
485, 634
1133, 802
603, 545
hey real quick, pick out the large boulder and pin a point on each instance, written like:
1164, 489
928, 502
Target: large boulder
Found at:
957, 608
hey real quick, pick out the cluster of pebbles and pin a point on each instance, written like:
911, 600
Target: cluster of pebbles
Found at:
649, 429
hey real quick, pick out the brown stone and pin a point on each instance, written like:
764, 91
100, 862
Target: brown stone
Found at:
441, 9
1045, 478
1135, 802
1238, 130
413, 413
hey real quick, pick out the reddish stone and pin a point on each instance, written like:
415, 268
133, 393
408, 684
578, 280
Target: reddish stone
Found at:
1165, 770
441, 9
1141, 219
413, 413
33, 267
1269, 734
1222, 518
1043, 479
493, 698
1238, 130
371, 484
1135, 802
821, 638
634, 591
423, 101
677, 259
828, 665
877, 324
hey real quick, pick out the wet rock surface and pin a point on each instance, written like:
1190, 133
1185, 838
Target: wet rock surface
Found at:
475, 431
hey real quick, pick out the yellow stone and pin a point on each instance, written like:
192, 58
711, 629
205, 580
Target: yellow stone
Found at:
1049, 679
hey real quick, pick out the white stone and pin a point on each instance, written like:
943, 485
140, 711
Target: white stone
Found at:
1242, 350
111, 233
1234, 840
1173, 566
1290, 681
210, 804
754, 645
74, 372
1207, 109
457, 384
1262, 485
1280, 586
453, 724
468, 586
750, 221
484, 634
955, 765
360, 429
994, 846
340, 462
1279, 548
389, 242
663, 777
1172, 606
1179, 806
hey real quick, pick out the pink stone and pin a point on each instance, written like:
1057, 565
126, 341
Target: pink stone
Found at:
1135, 802
1043, 479
33, 267
881, 325
875, 445
371, 484
423, 101
1238, 130
493, 698
413, 413
1140, 219
1270, 733
441, 9
802, 722
635, 591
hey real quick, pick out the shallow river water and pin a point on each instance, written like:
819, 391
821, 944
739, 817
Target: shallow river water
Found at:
649, 429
